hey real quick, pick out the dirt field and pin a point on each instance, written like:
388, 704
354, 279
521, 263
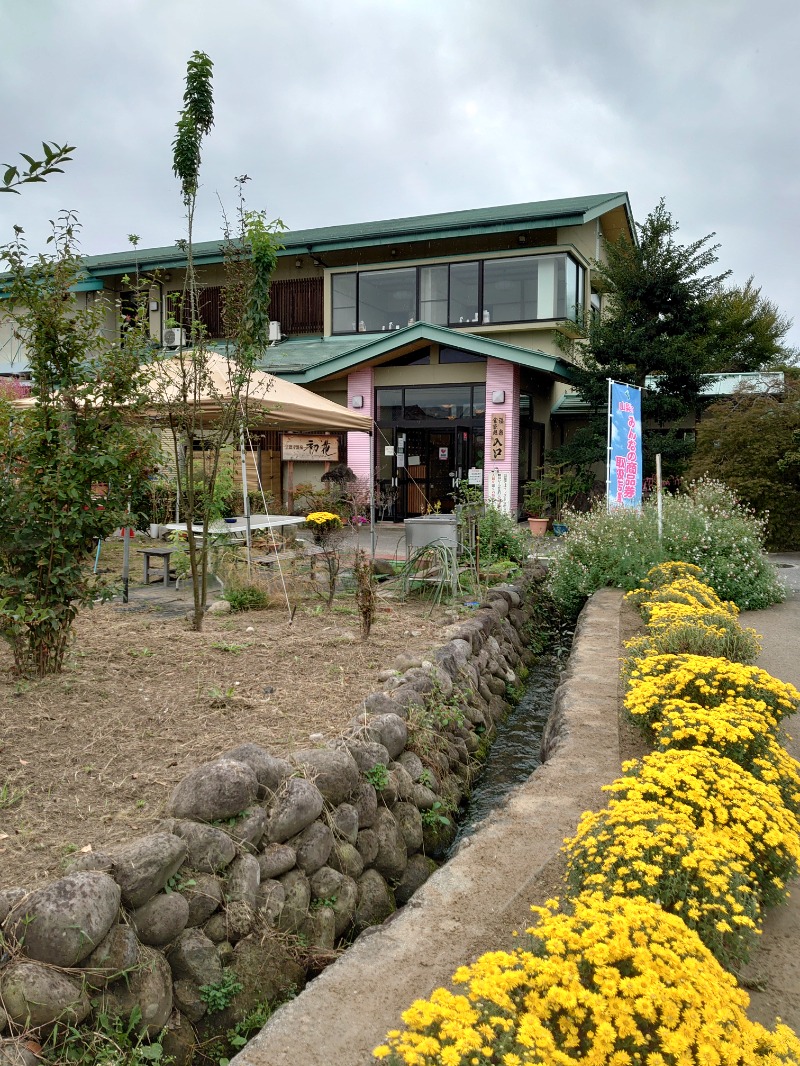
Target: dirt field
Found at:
90, 757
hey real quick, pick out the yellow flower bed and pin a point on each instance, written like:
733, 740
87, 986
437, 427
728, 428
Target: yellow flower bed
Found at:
716, 793
668, 880
688, 591
736, 729
615, 982
707, 681
641, 848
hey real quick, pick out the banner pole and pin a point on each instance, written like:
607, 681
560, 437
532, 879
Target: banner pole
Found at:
658, 497
608, 450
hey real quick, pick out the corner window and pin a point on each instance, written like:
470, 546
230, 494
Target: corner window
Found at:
343, 289
526, 288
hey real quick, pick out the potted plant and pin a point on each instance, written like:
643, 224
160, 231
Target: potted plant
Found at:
536, 505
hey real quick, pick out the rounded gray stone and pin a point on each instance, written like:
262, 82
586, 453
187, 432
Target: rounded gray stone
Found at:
419, 869
367, 846
345, 821
409, 819
389, 730
313, 846
203, 897
194, 957
249, 830
270, 771
346, 859
412, 764
367, 753
366, 804
294, 912
322, 930
241, 892
276, 859
15, 1051
64, 921
392, 856
325, 883
161, 919
335, 773
423, 797
214, 790
36, 994
375, 901
297, 805
148, 987
270, 900
344, 906
144, 866
114, 955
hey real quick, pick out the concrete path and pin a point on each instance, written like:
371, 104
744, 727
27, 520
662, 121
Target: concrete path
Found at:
773, 973
475, 902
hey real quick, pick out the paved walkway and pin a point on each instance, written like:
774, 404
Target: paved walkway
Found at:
773, 973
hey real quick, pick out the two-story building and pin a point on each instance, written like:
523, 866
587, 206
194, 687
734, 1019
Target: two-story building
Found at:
443, 328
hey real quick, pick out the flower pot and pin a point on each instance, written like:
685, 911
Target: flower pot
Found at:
538, 526
560, 528
155, 530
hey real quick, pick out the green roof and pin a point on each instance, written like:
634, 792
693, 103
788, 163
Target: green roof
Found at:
308, 359
540, 214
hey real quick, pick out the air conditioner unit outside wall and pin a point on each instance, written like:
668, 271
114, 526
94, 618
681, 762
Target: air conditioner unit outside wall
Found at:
174, 337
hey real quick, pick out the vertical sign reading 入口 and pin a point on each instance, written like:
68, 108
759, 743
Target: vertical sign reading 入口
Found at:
624, 474
497, 443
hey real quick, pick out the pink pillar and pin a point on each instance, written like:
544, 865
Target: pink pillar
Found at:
501, 475
359, 445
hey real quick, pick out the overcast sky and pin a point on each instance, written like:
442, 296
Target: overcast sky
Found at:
351, 110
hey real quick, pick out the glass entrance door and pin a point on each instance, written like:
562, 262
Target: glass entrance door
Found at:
426, 462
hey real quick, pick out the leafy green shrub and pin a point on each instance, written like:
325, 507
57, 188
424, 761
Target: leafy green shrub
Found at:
706, 526
218, 996
501, 538
251, 597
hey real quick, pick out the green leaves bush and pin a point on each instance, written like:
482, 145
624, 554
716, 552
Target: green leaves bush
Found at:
706, 525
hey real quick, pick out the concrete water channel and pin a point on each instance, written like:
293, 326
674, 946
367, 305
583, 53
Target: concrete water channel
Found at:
482, 895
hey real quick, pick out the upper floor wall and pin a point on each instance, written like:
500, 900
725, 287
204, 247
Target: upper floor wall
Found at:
517, 273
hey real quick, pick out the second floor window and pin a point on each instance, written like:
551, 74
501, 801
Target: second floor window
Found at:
516, 289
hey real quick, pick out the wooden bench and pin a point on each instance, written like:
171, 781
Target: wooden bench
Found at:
156, 553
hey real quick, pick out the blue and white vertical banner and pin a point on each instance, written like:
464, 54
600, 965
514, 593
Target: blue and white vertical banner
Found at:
624, 474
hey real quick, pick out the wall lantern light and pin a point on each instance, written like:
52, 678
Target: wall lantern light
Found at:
498, 396
357, 401
298, 262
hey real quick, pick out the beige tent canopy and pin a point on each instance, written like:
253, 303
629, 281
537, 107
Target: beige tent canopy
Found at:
269, 402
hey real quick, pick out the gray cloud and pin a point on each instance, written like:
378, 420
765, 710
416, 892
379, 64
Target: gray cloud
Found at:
367, 109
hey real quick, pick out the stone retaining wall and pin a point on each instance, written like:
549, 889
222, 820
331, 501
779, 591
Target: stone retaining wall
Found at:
265, 866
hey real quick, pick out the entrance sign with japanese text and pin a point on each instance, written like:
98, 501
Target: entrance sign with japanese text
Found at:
497, 444
322, 447
624, 473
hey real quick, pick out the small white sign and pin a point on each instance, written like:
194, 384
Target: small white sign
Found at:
475, 476
388, 449
444, 453
500, 489
401, 460
414, 460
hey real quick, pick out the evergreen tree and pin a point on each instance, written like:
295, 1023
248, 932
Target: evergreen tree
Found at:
751, 441
666, 317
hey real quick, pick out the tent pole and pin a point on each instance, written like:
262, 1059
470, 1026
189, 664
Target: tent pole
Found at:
372, 532
245, 500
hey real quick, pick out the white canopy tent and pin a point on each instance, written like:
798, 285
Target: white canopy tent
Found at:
266, 401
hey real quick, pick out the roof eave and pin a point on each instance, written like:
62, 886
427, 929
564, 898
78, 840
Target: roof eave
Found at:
551, 365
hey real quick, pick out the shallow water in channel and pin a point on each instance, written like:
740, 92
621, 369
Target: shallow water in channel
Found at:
514, 755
